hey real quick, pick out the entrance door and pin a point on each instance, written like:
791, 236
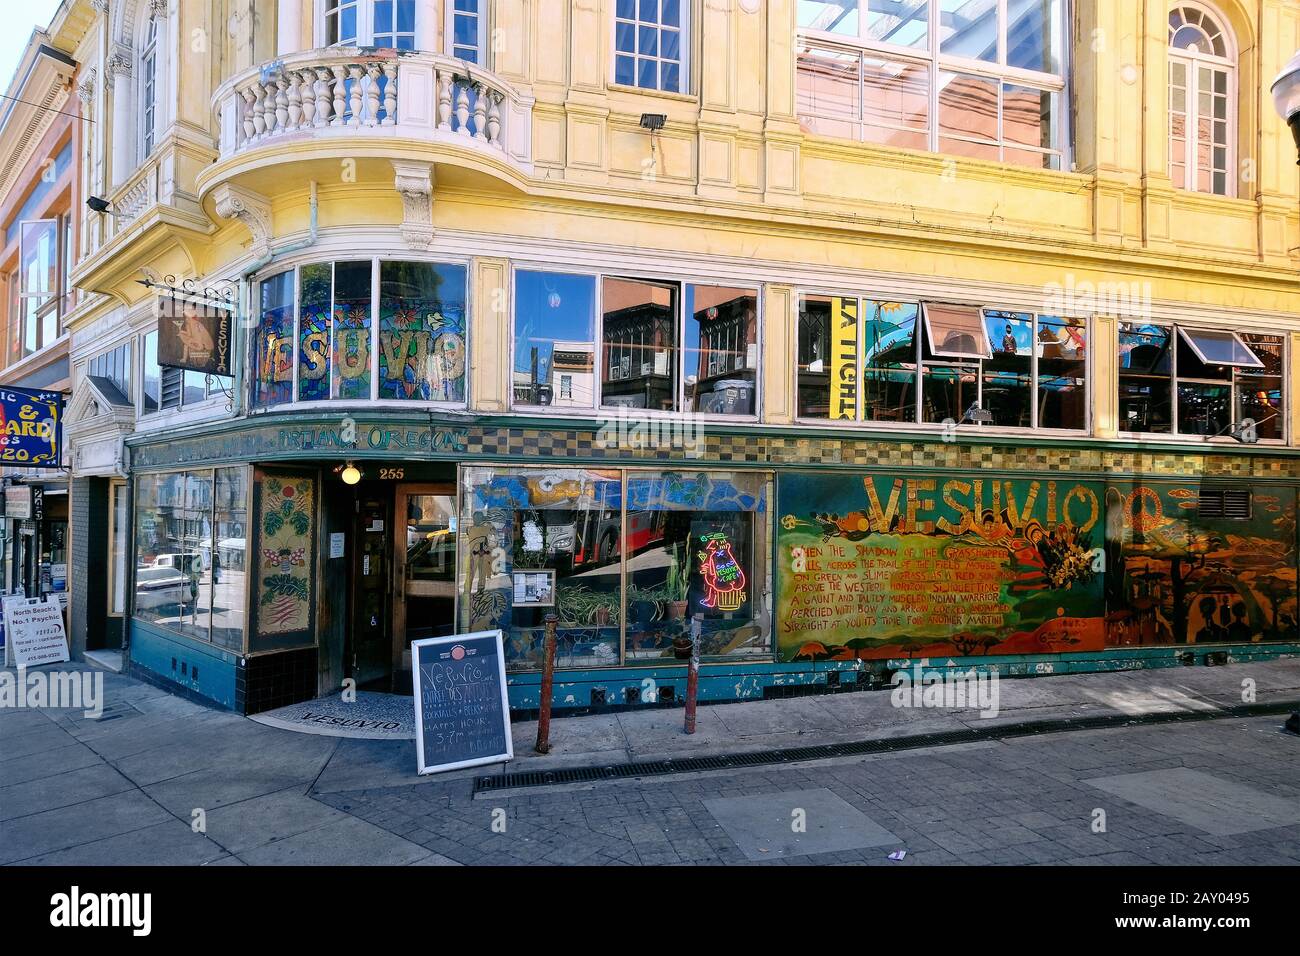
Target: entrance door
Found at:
371, 641
424, 553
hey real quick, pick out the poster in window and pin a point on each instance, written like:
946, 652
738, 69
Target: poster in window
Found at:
193, 333
844, 358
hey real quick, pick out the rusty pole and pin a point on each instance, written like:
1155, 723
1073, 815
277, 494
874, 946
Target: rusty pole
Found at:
693, 674
543, 744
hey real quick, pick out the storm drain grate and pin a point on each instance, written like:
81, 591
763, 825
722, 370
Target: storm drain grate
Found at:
858, 748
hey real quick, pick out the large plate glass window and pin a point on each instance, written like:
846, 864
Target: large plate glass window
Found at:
1191, 381
639, 354
870, 70
555, 340
720, 357
625, 559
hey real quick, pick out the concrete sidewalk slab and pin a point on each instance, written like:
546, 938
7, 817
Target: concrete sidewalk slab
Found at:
346, 842
169, 843
41, 833
269, 818
61, 790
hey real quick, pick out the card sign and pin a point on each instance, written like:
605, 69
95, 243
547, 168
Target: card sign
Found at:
34, 633
462, 713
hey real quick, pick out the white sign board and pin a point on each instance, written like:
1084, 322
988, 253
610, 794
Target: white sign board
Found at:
34, 633
337, 540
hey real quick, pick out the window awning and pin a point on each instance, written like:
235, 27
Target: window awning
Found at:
1220, 348
956, 331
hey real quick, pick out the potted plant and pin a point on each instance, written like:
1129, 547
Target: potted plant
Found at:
677, 587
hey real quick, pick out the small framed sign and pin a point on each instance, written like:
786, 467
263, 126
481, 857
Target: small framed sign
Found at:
462, 710
534, 588
194, 333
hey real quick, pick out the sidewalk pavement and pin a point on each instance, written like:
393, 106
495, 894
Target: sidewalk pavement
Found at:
157, 779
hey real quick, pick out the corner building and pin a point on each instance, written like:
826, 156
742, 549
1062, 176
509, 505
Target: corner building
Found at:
860, 333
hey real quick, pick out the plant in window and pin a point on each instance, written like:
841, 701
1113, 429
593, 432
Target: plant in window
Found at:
677, 586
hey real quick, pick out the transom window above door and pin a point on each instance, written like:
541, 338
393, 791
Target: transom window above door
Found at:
1202, 101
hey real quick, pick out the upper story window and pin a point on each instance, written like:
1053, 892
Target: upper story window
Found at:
40, 286
361, 330
165, 388
1202, 97
978, 78
651, 42
466, 29
1181, 380
148, 87
869, 360
583, 341
378, 23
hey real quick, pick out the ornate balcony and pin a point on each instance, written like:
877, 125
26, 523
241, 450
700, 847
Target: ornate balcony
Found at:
348, 92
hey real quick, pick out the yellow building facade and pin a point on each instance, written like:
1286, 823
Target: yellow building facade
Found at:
833, 333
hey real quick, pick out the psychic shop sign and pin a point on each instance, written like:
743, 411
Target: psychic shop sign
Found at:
462, 712
194, 333
34, 633
31, 427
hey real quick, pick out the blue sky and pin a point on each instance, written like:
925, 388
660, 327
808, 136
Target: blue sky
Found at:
14, 37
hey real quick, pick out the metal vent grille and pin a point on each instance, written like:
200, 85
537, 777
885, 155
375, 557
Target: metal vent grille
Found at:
1230, 503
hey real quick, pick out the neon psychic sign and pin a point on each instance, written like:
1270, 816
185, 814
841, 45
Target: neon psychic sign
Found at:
723, 577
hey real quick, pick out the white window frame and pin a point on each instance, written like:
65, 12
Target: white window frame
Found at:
376, 261
1193, 62
1035, 317
686, 43
449, 29
148, 73
1175, 335
365, 24
938, 62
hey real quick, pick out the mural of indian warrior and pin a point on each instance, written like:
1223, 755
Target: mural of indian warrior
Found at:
1183, 572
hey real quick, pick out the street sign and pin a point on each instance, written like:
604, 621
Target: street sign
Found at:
462, 712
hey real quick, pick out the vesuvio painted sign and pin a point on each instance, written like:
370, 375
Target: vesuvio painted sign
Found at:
194, 334
31, 427
462, 713
882, 566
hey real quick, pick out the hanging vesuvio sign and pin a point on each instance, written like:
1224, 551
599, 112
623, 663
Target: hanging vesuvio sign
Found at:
31, 427
194, 332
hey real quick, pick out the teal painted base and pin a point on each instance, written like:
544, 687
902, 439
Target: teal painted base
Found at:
620, 687
194, 669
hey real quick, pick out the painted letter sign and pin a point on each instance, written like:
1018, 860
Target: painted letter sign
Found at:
194, 334
31, 427
462, 713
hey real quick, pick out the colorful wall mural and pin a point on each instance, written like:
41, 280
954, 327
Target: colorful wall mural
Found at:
877, 566
1196, 564
285, 524
883, 566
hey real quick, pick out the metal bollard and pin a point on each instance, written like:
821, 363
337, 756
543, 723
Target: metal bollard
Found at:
693, 673
543, 744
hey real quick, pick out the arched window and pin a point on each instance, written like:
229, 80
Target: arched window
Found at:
1202, 102
148, 87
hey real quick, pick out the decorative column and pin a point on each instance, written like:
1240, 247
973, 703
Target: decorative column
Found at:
426, 26
117, 73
